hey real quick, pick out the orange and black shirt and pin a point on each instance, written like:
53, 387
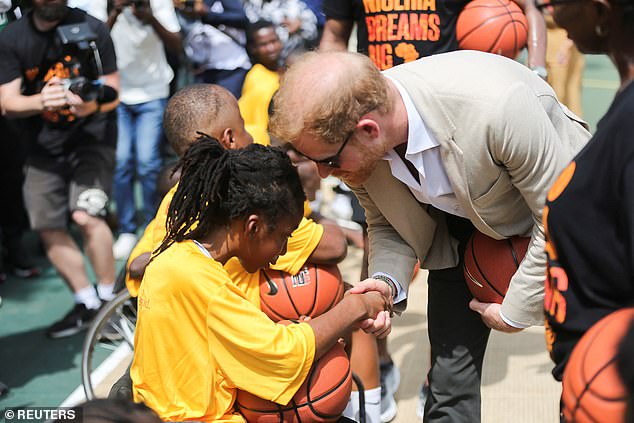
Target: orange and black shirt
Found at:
392, 32
589, 221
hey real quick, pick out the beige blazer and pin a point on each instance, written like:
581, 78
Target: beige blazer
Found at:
504, 139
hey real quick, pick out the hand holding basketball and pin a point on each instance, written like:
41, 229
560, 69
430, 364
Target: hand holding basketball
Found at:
490, 313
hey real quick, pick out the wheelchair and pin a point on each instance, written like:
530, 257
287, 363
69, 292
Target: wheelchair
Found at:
109, 343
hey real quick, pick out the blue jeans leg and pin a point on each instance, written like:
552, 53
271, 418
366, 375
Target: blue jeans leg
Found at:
124, 169
148, 153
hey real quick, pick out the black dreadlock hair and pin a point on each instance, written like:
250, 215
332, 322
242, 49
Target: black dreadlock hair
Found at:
218, 186
112, 411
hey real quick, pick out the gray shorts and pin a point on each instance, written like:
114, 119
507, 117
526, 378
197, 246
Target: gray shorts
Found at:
56, 186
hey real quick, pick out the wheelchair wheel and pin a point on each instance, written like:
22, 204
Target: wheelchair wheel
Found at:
107, 350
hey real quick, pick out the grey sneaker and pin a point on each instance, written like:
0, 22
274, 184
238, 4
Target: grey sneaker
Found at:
390, 379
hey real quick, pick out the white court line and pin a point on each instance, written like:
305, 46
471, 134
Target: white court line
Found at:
121, 353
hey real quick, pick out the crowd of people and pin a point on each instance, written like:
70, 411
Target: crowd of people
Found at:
97, 97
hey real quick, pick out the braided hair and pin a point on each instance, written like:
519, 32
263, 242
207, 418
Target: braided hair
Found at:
218, 186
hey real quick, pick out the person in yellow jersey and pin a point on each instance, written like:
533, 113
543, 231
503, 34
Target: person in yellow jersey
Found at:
212, 110
199, 338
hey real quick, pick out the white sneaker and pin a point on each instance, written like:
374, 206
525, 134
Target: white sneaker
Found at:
123, 246
390, 379
422, 398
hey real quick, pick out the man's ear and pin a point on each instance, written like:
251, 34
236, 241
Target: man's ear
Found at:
227, 140
369, 127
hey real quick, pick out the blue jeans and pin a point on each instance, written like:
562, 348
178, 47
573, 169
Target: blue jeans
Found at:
138, 156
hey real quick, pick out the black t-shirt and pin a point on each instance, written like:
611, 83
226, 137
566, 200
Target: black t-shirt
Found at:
589, 220
392, 32
36, 56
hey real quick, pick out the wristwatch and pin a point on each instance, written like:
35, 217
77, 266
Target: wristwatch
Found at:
389, 282
540, 71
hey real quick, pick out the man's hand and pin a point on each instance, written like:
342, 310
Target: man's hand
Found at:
54, 95
375, 285
490, 314
79, 107
380, 326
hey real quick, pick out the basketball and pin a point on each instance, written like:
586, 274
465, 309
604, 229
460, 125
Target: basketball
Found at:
494, 26
489, 265
314, 290
322, 397
592, 388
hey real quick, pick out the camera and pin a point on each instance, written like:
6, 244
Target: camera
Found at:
87, 89
78, 42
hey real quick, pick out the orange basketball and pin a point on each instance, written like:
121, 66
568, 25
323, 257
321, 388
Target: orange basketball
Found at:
489, 265
314, 290
494, 26
592, 388
322, 397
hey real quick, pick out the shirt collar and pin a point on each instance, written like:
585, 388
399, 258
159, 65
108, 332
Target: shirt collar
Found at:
418, 136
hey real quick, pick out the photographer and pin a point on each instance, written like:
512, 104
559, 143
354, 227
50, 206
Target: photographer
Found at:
63, 81
141, 30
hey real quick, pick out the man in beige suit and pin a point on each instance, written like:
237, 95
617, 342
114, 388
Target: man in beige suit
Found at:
435, 149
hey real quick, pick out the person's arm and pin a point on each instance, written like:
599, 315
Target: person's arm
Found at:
251, 345
336, 35
536, 35
332, 247
390, 256
171, 39
116, 11
16, 105
525, 142
348, 313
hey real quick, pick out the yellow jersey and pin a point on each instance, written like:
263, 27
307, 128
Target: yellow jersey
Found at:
199, 339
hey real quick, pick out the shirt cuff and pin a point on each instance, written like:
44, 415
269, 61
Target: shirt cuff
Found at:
511, 322
400, 294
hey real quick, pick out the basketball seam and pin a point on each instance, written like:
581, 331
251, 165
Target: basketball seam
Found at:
315, 291
464, 37
288, 294
263, 300
515, 46
309, 400
475, 261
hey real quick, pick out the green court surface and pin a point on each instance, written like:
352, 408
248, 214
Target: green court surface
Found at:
43, 372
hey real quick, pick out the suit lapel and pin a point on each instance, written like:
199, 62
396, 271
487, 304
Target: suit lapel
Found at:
397, 204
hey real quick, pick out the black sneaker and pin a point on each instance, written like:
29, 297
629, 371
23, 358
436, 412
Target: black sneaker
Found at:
75, 321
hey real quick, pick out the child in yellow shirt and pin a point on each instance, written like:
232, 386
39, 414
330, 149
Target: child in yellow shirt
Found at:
198, 337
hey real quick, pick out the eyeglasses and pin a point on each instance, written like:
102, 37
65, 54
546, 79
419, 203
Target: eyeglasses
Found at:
332, 161
545, 6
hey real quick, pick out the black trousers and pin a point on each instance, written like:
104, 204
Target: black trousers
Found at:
458, 339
